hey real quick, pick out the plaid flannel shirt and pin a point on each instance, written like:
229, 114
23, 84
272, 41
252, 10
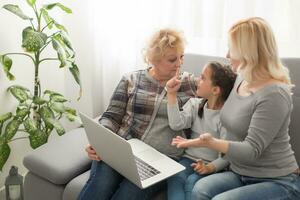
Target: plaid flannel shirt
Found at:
133, 101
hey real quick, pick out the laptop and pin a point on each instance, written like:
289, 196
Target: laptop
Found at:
135, 160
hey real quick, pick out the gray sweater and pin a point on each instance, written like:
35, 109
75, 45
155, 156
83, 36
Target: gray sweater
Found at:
257, 126
209, 123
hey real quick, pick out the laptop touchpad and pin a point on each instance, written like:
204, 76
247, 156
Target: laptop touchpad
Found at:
150, 155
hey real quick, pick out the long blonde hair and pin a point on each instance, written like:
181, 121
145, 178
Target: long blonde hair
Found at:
253, 43
161, 41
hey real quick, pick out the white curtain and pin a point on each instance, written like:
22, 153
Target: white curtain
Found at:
115, 32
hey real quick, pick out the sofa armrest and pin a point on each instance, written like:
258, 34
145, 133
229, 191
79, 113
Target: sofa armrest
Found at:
61, 159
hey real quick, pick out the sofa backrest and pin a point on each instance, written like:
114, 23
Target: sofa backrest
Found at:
194, 63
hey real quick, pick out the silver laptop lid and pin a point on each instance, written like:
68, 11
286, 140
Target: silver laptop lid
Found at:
112, 149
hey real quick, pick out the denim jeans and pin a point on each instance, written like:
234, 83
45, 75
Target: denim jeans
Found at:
229, 185
105, 183
180, 185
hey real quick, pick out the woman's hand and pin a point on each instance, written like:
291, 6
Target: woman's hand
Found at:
178, 140
202, 141
203, 168
92, 153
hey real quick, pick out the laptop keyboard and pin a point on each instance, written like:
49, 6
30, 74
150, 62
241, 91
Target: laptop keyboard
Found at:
145, 170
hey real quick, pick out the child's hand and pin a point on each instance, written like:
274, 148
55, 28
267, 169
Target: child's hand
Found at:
203, 168
174, 83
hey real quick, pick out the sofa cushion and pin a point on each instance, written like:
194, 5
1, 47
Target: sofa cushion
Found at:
37, 188
74, 187
61, 159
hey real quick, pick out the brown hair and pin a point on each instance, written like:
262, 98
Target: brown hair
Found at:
223, 77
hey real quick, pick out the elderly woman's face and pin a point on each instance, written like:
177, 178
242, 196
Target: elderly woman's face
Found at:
169, 63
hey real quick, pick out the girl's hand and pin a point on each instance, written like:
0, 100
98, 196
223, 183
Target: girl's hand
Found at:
92, 153
202, 141
203, 168
174, 83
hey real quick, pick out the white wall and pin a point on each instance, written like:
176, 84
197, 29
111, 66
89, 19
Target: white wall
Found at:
51, 76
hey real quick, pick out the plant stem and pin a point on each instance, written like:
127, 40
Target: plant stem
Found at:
45, 46
24, 54
47, 25
36, 75
32, 24
49, 41
37, 18
48, 59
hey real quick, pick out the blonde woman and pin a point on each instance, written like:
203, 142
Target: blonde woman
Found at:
256, 116
138, 109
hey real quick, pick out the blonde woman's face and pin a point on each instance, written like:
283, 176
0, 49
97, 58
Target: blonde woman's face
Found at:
169, 63
235, 63
232, 55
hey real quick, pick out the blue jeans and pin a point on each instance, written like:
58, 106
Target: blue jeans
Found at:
106, 183
180, 185
229, 185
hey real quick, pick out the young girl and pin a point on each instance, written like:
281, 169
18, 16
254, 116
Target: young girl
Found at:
201, 115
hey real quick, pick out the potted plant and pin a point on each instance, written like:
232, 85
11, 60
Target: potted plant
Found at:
39, 111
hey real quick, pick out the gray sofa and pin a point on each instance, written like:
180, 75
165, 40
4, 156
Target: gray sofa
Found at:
59, 169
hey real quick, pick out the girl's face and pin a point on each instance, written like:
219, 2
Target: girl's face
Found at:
167, 66
205, 87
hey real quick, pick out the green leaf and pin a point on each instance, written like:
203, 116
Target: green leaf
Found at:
46, 113
5, 117
71, 111
38, 100
30, 126
49, 21
58, 98
66, 44
66, 40
32, 40
31, 2
11, 129
17, 11
4, 154
58, 127
64, 8
58, 107
19, 87
7, 63
38, 138
60, 27
61, 54
50, 92
75, 72
19, 92
70, 117
22, 112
